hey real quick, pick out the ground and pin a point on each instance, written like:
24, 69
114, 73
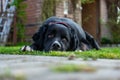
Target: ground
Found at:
30, 67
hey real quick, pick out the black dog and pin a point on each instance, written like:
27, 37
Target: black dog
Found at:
62, 34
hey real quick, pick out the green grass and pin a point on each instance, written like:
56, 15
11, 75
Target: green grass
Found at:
109, 53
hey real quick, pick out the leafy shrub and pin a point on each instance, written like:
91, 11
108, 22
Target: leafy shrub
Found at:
105, 41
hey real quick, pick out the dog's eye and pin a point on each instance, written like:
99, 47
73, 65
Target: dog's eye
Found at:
64, 39
50, 36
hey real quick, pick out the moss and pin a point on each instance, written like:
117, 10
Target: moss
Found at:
7, 75
74, 68
87, 1
48, 8
20, 16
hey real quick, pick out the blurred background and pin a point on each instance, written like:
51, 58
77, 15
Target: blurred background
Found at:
20, 19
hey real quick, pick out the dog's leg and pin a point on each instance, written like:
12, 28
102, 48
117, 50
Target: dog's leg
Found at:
34, 46
26, 48
84, 47
92, 41
30, 48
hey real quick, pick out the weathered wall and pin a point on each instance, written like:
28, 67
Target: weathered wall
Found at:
90, 18
105, 32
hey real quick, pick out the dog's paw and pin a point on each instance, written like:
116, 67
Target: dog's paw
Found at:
26, 48
78, 50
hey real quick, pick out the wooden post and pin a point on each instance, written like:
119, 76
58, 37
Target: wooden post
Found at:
14, 31
1, 5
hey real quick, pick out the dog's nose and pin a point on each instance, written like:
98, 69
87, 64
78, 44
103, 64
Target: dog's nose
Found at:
56, 45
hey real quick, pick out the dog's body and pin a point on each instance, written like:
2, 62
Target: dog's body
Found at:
62, 34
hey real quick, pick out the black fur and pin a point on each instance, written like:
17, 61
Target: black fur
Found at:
78, 38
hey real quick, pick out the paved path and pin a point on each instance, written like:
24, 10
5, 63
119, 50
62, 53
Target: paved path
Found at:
40, 68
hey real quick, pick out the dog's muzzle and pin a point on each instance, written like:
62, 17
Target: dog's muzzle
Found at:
56, 46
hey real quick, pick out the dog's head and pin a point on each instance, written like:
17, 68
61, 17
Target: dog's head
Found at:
56, 36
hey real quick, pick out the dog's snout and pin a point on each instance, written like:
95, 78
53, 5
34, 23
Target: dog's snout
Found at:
56, 45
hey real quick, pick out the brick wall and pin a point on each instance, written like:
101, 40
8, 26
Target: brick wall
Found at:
33, 12
60, 9
34, 15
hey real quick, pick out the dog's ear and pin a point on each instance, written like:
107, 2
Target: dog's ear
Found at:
74, 41
92, 41
38, 37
